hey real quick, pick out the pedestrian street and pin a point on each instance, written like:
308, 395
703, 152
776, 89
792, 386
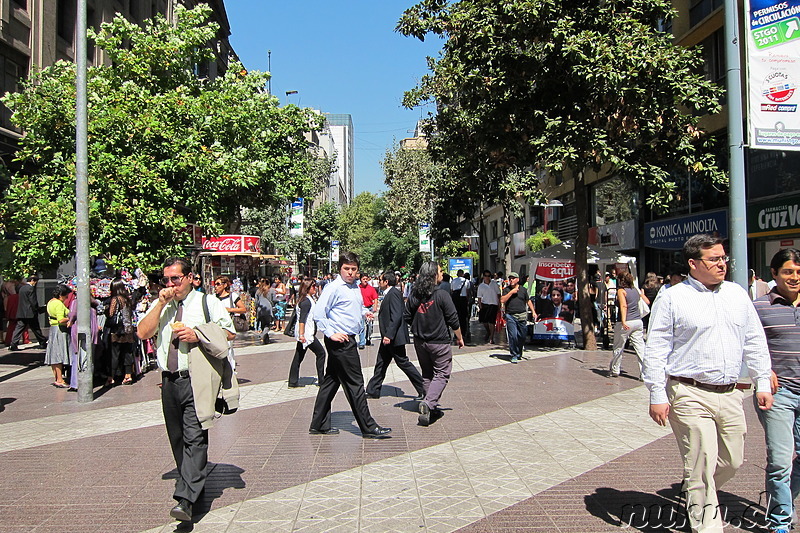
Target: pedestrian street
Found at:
549, 444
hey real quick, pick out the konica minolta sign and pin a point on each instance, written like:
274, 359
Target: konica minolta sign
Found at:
670, 234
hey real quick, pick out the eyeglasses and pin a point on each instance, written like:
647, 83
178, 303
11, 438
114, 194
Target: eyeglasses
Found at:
197, 278
716, 260
218, 283
174, 279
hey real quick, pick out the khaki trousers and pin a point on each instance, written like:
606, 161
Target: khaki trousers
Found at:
710, 429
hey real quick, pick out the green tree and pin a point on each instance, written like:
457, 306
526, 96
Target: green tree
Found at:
414, 182
165, 147
358, 221
592, 89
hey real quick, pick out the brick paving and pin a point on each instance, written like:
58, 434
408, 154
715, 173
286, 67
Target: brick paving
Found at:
545, 445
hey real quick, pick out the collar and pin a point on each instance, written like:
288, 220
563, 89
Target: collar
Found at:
776, 298
692, 282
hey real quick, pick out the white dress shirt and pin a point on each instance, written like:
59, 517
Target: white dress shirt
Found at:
704, 335
489, 293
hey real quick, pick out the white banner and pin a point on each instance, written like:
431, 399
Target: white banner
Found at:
296, 218
425, 238
773, 67
335, 251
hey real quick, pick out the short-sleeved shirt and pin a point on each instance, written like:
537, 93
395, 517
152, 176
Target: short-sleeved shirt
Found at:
369, 294
193, 316
781, 321
518, 303
489, 293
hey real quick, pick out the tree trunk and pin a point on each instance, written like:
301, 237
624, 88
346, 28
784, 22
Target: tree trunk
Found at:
506, 237
581, 255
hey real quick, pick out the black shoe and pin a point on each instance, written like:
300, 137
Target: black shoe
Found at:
182, 511
377, 433
332, 431
295, 386
420, 397
436, 414
369, 343
424, 417
361, 347
374, 396
43, 346
13, 348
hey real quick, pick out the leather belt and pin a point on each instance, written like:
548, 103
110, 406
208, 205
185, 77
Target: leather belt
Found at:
712, 388
175, 375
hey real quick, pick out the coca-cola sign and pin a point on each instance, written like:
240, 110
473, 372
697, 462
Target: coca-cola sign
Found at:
233, 244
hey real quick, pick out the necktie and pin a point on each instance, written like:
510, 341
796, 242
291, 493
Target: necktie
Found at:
172, 357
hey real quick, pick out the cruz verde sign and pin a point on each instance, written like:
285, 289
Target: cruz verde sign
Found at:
779, 216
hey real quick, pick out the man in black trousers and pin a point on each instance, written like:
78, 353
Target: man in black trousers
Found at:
394, 337
28, 314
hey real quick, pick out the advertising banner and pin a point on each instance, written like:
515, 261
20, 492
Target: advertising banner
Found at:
773, 66
335, 251
555, 270
671, 233
454, 264
233, 244
296, 218
554, 329
425, 238
518, 240
779, 216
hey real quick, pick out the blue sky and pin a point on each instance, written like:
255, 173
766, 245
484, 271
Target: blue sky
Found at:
341, 57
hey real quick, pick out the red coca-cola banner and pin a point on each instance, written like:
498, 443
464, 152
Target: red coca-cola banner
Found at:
233, 244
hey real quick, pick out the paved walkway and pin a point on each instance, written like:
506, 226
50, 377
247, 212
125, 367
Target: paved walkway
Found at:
545, 445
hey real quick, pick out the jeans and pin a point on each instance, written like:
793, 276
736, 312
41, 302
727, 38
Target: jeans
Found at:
365, 334
516, 330
782, 433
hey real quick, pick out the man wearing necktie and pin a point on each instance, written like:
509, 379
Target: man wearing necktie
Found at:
173, 317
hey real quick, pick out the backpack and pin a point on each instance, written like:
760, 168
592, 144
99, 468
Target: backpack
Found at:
116, 322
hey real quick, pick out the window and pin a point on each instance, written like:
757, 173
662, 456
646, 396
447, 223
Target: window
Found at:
65, 20
714, 57
520, 224
700, 9
493, 229
22, 4
10, 73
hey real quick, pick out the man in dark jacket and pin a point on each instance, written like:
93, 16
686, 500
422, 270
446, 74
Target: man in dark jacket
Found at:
394, 337
28, 314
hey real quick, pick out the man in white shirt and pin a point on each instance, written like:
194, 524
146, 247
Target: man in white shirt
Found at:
701, 333
488, 303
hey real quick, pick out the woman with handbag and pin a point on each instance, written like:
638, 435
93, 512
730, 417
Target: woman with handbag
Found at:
57, 354
234, 305
305, 332
119, 325
629, 325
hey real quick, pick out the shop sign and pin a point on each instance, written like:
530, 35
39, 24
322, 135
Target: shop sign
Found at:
554, 270
233, 244
454, 264
670, 234
616, 236
773, 217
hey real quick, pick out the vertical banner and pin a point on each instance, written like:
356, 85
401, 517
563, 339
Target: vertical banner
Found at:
425, 238
335, 251
296, 218
773, 67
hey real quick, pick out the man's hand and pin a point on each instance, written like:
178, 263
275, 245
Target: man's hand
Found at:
370, 316
773, 381
186, 334
659, 413
764, 400
166, 295
340, 337
386, 340
460, 342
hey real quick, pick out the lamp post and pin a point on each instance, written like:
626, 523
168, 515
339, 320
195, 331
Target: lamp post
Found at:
551, 203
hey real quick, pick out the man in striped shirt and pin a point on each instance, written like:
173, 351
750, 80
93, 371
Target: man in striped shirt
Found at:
701, 333
780, 316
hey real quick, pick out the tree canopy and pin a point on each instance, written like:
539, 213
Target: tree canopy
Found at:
165, 147
562, 85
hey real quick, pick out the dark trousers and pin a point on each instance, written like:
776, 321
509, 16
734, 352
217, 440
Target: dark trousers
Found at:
121, 352
436, 362
33, 325
386, 353
299, 354
188, 440
462, 308
344, 368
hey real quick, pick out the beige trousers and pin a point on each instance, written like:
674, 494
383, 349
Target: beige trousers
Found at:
710, 429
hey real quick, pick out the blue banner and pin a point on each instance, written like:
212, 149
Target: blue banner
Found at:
670, 234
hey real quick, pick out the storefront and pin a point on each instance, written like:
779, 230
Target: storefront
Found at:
236, 256
664, 239
772, 225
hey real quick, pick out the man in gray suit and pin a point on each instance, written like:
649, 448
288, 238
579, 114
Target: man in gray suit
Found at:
28, 314
394, 337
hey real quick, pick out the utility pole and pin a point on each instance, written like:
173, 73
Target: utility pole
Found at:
738, 202
85, 362
269, 68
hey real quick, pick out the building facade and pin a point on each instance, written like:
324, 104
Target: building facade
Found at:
342, 180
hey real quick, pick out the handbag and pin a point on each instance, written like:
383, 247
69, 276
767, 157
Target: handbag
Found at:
240, 322
644, 309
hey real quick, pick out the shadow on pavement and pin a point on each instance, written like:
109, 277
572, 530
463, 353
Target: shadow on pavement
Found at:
665, 510
221, 476
4, 402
